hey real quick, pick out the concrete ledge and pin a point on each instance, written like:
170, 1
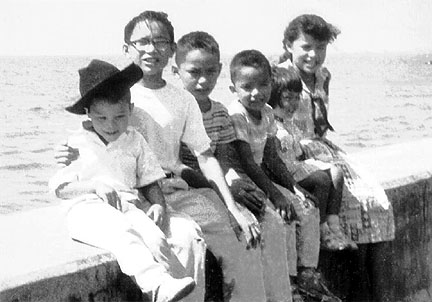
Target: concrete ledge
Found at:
401, 270
38, 261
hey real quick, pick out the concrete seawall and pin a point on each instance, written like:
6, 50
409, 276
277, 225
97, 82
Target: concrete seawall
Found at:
38, 261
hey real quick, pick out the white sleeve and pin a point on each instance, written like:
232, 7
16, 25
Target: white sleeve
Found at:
194, 134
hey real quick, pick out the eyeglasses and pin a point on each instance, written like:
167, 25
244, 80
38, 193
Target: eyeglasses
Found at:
158, 43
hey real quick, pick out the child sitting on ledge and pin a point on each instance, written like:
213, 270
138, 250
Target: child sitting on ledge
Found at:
115, 164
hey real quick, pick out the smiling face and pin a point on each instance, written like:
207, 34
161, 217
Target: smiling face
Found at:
110, 120
253, 87
154, 56
308, 54
199, 71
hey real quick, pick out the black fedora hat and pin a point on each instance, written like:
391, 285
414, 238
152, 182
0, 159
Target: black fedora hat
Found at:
103, 78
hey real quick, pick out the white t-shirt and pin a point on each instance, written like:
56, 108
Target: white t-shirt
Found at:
124, 164
166, 117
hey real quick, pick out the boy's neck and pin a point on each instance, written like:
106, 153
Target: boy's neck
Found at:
204, 104
255, 114
87, 125
152, 81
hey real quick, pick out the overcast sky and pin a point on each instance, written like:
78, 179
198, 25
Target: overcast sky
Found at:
72, 27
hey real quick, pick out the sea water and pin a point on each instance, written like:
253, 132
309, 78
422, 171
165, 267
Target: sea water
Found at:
375, 100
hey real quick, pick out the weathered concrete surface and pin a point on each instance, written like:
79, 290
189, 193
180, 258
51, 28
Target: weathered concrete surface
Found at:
38, 261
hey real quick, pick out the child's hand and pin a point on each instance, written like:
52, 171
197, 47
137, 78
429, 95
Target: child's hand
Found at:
298, 192
283, 208
250, 227
249, 195
158, 214
65, 154
109, 195
304, 195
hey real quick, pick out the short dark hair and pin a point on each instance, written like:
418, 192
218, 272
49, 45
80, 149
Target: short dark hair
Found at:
197, 40
147, 16
249, 58
313, 25
283, 79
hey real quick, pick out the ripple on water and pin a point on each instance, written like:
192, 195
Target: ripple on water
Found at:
13, 152
23, 166
383, 119
41, 150
23, 133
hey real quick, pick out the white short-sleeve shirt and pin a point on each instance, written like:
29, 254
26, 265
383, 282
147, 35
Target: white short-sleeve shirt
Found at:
166, 117
124, 164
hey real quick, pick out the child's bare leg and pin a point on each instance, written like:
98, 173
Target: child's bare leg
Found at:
333, 209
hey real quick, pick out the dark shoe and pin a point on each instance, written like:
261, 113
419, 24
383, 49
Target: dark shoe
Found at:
334, 239
312, 286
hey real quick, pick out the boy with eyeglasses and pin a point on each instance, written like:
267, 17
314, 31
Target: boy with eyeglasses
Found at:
166, 116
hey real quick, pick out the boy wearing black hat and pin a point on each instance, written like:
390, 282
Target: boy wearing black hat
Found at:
166, 116
115, 163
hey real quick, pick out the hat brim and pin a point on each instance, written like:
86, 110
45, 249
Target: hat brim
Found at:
116, 86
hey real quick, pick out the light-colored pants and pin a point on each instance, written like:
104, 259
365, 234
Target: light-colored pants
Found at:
275, 260
240, 267
273, 255
303, 236
140, 247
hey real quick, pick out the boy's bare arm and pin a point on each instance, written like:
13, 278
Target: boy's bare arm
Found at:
254, 171
281, 203
243, 190
153, 193
276, 166
213, 172
194, 178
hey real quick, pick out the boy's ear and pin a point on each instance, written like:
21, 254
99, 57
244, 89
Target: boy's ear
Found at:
125, 49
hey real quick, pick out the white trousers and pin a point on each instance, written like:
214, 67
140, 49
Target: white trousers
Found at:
140, 247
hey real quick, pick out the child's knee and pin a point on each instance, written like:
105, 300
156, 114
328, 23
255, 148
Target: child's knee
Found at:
185, 231
336, 174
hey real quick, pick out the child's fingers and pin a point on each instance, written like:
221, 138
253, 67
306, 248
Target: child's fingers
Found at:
256, 235
114, 200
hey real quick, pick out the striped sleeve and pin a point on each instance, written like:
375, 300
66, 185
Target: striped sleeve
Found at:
218, 125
